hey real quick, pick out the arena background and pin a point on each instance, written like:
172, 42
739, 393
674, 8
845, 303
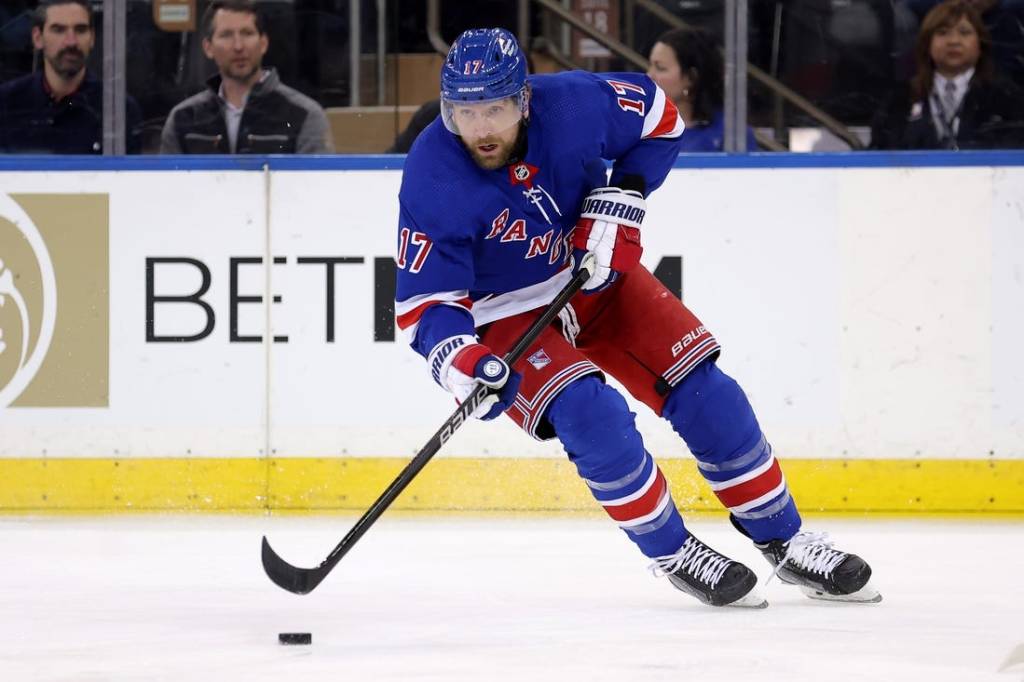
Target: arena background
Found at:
876, 326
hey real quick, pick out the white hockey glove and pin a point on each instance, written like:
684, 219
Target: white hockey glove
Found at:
609, 225
459, 362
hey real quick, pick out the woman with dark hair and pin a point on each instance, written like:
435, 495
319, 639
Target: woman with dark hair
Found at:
954, 101
687, 64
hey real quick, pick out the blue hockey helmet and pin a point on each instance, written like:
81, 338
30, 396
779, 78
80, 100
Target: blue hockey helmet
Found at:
483, 65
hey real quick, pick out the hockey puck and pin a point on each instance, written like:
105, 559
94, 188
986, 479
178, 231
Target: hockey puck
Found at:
295, 638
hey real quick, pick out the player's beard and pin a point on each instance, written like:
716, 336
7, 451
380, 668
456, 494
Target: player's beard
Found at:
506, 153
494, 160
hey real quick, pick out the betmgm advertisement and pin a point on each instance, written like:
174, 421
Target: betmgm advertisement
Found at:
153, 322
54, 300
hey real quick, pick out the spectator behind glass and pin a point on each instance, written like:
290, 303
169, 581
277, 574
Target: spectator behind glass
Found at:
59, 108
1004, 20
955, 101
687, 64
245, 108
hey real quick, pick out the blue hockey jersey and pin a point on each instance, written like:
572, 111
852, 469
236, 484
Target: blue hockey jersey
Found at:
478, 245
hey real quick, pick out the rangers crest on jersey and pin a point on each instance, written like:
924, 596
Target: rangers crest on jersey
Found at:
539, 360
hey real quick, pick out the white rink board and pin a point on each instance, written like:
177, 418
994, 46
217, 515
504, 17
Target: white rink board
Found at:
864, 315
165, 399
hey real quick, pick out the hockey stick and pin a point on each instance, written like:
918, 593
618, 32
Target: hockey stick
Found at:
304, 580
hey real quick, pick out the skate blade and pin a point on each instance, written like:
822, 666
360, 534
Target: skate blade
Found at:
751, 600
865, 595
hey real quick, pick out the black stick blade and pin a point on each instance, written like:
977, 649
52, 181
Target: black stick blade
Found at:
304, 580
288, 577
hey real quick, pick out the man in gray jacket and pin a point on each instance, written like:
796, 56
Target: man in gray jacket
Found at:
245, 109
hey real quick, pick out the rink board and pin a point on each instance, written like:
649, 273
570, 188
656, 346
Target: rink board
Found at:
483, 484
874, 323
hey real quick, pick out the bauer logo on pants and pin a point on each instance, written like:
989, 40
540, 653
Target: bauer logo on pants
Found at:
54, 300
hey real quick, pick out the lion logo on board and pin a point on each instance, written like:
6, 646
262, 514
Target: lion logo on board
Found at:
27, 320
54, 300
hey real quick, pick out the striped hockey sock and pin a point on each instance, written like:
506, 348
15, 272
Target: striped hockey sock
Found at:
640, 502
598, 431
712, 414
753, 488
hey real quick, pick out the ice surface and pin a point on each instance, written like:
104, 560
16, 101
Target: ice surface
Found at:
488, 598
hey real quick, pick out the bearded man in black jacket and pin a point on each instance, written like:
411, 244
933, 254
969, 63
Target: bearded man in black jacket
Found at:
59, 108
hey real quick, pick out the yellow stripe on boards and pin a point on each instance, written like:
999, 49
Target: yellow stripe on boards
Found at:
500, 484
132, 484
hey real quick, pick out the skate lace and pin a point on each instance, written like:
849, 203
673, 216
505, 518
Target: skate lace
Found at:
696, 558
811, 552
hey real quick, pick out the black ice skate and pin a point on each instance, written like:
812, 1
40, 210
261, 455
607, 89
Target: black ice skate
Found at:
809, 561
711, 577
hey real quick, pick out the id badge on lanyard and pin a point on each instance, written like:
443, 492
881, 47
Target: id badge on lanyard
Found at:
949, 124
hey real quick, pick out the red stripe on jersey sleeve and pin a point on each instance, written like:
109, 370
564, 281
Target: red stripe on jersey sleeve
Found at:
668, 120
406, 320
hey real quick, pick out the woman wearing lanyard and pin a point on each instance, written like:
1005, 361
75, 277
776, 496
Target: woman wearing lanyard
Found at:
954, 101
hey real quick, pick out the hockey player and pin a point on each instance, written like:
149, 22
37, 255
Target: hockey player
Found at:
500, 197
